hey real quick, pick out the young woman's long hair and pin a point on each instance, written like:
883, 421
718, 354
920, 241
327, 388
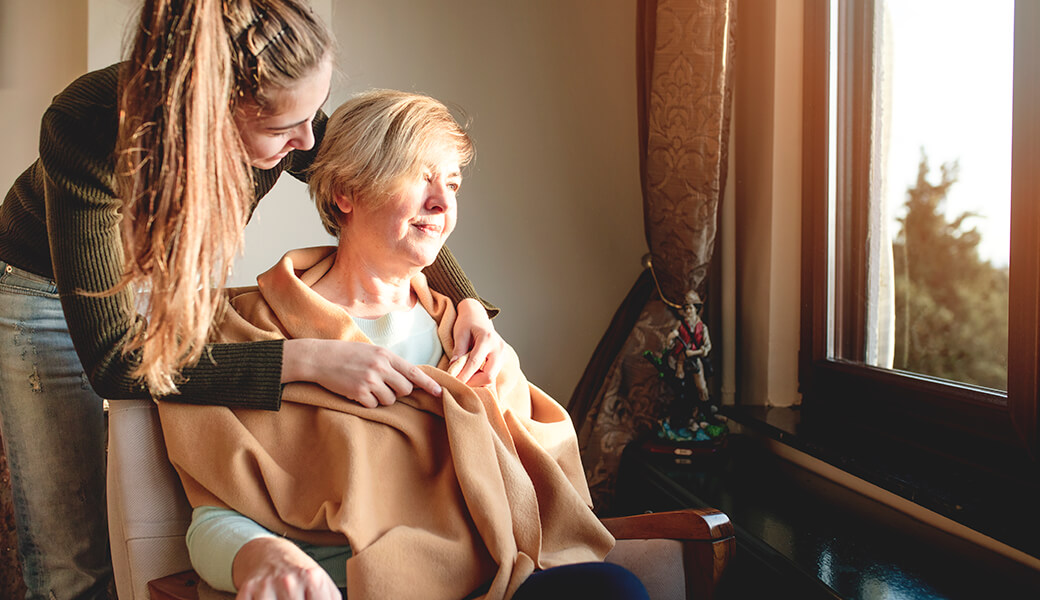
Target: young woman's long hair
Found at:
182, 171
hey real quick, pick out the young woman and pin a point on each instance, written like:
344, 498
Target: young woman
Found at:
148, 172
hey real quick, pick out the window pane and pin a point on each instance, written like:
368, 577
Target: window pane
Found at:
938, 231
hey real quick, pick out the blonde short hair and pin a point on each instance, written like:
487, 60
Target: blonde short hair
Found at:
373, 141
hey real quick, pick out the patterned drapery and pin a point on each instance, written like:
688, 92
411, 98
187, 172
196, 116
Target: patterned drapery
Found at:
685, 62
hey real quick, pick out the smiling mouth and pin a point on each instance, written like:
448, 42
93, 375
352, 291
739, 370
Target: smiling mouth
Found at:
428, 228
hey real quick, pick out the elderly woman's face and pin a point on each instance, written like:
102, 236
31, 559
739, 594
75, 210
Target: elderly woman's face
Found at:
409, 229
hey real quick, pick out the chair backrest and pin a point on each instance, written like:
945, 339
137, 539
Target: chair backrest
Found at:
148, 513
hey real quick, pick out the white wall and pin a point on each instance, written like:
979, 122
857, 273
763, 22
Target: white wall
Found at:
109, 31
551, 219
550, 224
43, 46
766, 218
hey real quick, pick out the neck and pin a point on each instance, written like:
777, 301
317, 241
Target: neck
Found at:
364, 288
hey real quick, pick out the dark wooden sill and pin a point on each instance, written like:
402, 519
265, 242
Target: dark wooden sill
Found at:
801, 535
1002, 506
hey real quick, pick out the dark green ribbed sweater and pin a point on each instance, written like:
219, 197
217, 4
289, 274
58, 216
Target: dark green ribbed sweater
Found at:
60, 219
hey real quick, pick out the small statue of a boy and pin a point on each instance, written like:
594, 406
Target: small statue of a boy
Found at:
684, 365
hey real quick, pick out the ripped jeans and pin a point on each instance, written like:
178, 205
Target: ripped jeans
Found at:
53, 429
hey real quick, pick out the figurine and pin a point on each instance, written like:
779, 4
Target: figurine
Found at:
684, 365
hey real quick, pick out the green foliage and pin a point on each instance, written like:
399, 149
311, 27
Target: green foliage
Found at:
951, 306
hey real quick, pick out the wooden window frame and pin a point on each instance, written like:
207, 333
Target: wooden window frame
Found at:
994, 429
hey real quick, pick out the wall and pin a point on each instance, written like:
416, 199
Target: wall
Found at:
43, 46
551, 218
767, 196
550, 224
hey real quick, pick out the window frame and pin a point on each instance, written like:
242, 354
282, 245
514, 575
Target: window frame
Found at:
994, 429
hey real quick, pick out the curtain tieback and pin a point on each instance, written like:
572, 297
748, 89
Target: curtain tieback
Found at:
648, 263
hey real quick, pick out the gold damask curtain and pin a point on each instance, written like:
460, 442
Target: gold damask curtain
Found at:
685, 62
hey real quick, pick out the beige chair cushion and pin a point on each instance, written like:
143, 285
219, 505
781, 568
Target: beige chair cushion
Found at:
148, 514
658, 563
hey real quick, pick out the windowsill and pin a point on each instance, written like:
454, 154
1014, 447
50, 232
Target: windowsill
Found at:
999, 507
801, 534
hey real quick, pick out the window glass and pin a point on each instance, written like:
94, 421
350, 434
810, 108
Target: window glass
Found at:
935, 236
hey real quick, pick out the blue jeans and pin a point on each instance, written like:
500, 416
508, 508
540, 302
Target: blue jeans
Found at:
53, 428
599, 580
603, 581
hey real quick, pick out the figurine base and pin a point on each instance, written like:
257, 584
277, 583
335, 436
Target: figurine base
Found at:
682, 452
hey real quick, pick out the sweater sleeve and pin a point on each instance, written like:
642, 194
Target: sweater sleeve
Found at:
76, 146
214, 538
217, 534
446, 276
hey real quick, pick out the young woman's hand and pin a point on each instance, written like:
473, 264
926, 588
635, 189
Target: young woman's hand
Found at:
272, 568
478, 347
368, 374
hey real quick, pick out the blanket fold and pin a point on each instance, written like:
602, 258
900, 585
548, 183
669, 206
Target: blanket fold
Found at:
436, 496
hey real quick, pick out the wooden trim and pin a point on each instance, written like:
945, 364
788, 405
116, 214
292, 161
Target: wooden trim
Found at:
907, 401
951, 413
853, 180
1024, 307
695, 524
704, 564
814, 195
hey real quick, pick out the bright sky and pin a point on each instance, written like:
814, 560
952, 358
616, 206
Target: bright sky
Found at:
951, 95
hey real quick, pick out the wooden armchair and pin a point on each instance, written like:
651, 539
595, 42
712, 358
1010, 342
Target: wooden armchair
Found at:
677, 554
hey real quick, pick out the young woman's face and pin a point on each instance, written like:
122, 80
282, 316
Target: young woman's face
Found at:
285, 124
407, 230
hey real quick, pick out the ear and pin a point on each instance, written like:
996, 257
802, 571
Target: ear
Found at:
344, 202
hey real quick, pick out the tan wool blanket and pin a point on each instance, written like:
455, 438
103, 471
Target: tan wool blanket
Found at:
436, 496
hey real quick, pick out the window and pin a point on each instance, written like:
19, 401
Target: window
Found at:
920, 312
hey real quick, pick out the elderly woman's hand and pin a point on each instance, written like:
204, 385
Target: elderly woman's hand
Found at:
478, 347
365, 373
273, 568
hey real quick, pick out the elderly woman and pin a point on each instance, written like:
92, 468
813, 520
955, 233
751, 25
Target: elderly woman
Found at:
476, 493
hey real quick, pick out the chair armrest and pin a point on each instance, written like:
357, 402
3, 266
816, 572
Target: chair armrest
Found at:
179, 586
184, 586
695, 524
706, 536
